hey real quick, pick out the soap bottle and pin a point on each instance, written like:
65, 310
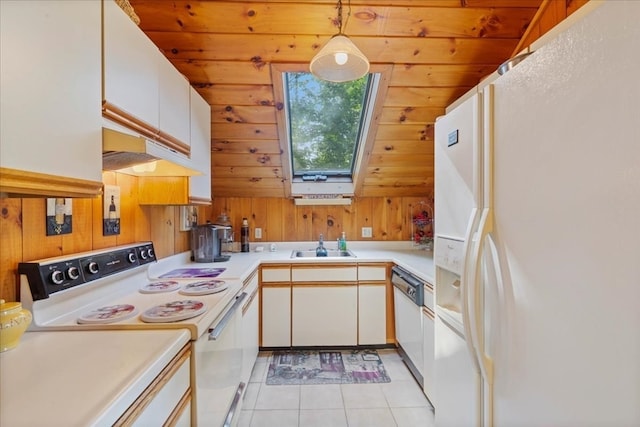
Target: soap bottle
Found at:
244, 236
342, 242
321, 250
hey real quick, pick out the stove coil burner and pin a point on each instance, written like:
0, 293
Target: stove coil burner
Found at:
159, 287
173, 311
205, 287
108, 314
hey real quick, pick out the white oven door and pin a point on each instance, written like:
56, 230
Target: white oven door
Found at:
218, 368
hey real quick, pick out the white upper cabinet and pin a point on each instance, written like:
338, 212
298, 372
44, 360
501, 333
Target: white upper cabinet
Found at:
200, 185
131, 61
174, 102
51, 142
142, 90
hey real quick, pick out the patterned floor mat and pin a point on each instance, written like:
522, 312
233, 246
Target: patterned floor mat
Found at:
326, 367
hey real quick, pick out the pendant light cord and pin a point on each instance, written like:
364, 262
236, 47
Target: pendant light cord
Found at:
339, 7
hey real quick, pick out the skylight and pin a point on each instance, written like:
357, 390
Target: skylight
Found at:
325, 125
326, 130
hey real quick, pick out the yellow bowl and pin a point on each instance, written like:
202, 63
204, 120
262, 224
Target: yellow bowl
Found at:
14, 321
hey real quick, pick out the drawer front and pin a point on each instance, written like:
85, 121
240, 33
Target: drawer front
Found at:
372, 273
164, 402
320, 274
276, 274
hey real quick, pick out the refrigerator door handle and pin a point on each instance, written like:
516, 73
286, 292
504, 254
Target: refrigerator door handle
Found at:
467, 268
475, 295
494, 275
476, 318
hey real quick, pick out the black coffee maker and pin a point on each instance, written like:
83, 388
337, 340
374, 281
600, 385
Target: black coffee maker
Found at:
206, 242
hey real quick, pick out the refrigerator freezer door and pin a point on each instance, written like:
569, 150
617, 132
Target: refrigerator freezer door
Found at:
566, 202
459, 197
458, 181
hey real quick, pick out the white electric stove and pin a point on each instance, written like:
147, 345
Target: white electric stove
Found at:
113, 289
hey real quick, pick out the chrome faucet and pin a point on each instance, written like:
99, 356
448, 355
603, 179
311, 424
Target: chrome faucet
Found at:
321, 250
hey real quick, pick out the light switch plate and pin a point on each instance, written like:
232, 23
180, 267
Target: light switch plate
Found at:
367, 232
258, 233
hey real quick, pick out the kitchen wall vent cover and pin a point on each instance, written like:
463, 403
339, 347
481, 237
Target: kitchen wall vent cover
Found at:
323, 199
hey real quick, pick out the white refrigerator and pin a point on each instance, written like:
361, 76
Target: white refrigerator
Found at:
538, 236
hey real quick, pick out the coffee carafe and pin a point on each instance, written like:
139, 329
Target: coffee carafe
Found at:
227, 243
206, 242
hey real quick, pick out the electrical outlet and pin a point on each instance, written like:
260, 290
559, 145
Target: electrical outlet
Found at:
367, 232
258, 233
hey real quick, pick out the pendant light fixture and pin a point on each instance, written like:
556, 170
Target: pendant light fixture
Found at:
339, 60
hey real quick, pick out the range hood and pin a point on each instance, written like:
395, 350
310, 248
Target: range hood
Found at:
135, 155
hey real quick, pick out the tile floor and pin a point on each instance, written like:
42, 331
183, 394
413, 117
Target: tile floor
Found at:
399, 403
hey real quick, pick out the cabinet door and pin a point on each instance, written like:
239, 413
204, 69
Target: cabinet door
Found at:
372, 319
174, 102
325, 315
200, 117
276, 316
250, 328
50, 119
429, 351
131, 63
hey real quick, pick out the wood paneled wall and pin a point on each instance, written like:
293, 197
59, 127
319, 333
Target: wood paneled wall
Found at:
550, 13
23, 234
282, 221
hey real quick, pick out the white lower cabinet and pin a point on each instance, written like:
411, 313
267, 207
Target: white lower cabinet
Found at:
372, 303
341, 304
250, 327
372, 319
167, 401
276, 316
325, 315
184, 417
429, 352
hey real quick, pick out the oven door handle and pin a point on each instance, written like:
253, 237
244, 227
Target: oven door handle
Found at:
216, 331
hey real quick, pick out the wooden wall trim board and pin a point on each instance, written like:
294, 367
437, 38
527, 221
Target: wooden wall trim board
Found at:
34, 184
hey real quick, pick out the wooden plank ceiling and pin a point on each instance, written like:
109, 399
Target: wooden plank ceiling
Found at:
439, 49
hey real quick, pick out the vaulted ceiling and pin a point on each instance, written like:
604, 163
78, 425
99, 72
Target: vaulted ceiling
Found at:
439, 49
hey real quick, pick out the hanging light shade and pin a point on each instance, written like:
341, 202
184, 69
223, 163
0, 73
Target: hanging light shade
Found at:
339, 60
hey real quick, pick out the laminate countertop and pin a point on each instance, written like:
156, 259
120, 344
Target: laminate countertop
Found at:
240, 265
81, 378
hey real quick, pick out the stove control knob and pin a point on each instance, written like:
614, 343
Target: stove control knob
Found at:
151, 254
73, 273
57, 277
131, 257
143, 254
93, 267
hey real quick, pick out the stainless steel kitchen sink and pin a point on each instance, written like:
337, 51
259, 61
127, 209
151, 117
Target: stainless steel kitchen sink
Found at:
331, 253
